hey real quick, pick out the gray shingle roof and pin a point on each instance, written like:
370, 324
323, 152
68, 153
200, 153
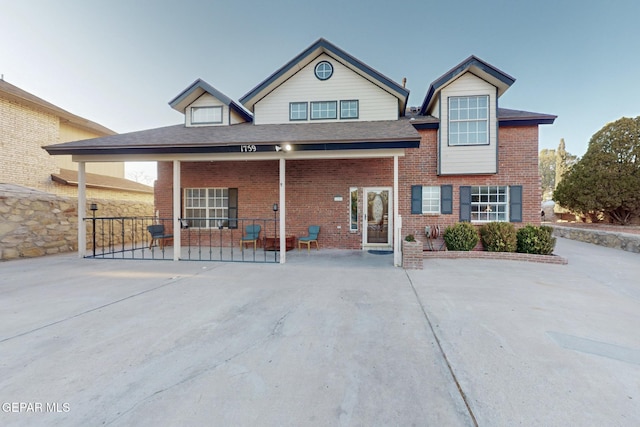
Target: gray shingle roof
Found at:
507, 116
178, 138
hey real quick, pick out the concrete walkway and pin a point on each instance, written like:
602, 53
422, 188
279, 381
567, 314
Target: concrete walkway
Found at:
330, 338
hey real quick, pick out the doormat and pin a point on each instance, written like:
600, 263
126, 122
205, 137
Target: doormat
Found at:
378, 252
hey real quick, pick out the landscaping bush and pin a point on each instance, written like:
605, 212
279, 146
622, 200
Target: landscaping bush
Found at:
535, 240
461, 237
499, 237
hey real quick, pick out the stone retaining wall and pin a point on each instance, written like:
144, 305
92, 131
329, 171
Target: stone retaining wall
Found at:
35, 223
610, 239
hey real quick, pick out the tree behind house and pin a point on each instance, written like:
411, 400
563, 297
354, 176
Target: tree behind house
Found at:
551, 165
607, 178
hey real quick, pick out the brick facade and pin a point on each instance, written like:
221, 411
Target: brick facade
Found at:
517, 165
312, 185
26, 126
23, 131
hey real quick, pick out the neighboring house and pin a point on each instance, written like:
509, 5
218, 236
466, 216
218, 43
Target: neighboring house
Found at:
28, 123
333, 142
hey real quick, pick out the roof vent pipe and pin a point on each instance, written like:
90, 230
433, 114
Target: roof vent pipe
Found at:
404, 82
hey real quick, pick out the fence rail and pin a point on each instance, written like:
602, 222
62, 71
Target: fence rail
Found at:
129, 238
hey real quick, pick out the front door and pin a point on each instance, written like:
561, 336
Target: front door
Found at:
378, 222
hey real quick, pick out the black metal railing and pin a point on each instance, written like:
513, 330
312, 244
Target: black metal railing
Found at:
202, 239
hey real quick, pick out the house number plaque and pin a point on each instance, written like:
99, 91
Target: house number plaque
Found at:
248, 149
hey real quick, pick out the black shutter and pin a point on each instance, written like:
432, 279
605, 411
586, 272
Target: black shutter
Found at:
446, 199
233, 208
416, 199
465, 204
515, 203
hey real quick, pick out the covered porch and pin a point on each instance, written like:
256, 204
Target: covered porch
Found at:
281, 166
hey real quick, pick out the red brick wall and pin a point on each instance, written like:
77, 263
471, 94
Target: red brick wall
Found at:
311, 186
517, 165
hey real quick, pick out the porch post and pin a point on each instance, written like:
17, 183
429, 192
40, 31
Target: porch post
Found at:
82, 210
176, 211
397, 224
283, 237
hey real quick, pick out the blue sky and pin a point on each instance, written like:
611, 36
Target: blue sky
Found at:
120, 62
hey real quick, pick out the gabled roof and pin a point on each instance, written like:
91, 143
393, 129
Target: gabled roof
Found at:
308, 55
14, 93
200, 87
70, 177
475, 65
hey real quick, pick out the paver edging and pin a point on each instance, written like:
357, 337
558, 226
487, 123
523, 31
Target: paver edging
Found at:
514, 256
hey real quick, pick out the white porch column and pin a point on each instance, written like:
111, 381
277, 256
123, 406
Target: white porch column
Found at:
397, 255
283, 237
82, 210
176, 211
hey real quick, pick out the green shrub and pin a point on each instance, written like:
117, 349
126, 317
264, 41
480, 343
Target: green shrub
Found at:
536, 240
410, 238
461, 237
498, 237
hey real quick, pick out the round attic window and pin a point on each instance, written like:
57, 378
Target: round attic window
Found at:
324, 70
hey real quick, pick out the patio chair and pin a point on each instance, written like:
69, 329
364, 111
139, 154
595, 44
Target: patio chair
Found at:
252, 233
157, 234
312, 237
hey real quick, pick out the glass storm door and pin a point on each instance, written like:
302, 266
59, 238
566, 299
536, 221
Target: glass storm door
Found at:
378, 223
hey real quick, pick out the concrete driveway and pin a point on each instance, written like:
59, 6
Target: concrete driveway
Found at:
330, 338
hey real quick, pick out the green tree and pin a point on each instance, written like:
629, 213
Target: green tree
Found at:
547, 170
561, 162
549, 163
607, 178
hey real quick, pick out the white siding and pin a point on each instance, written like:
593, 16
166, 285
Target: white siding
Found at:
207, 100
436, 109
468, 159
374, 102
236, 118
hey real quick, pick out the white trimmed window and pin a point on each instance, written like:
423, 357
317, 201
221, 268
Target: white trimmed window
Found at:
323, 70
297, 111
349, 109
489, 203
324, 110
206, 115
431, 199
469, 120
207, 207
353, 209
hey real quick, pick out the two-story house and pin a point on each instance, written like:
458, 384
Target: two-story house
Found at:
333, 143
